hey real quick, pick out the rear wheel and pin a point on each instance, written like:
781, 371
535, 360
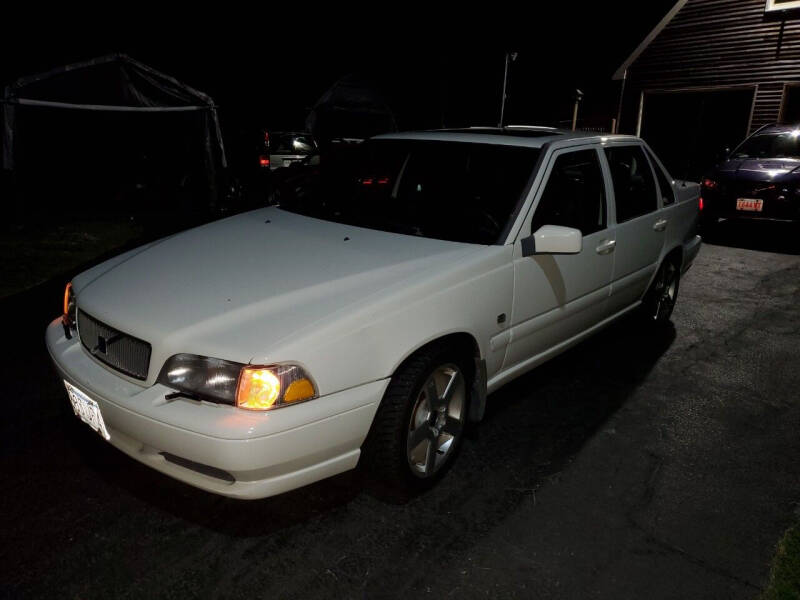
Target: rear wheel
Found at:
663, 293
420, 424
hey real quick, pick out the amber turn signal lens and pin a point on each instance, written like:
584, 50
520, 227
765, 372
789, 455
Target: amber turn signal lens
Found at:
67, 291
258, 389
299, 390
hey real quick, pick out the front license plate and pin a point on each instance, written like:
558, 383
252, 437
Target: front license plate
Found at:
87, 409
750, 204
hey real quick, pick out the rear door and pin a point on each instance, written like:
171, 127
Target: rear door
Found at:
640, 226
558, 296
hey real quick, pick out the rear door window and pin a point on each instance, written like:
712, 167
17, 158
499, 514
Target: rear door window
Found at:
634, 187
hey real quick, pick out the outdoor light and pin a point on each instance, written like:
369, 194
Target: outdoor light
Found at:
69, 313
203, 377
246, 386
709, 183
265, 388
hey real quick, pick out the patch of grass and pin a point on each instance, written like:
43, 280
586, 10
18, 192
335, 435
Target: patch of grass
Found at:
784, 578
31, 255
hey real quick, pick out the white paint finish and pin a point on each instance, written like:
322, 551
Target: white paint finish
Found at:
203, 418
639, 243
636, 257
349, 312
553, 239
772, 5
235, 287
557, 296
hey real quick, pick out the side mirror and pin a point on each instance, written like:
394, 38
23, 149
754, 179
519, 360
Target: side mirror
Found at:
553, 239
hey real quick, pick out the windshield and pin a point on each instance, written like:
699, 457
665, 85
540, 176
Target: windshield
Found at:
453, 191
780, 145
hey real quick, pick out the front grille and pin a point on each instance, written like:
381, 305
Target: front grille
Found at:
118, 350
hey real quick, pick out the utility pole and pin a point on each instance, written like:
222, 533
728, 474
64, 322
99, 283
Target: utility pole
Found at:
578, 98
510, 57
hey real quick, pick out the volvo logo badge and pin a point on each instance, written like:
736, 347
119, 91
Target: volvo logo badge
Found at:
104, 343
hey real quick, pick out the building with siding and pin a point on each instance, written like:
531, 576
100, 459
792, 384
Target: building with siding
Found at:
710, 73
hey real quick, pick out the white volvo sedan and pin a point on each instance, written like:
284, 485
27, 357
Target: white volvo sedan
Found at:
369, 313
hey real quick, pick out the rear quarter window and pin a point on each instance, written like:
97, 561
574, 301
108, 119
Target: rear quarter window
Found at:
664, 184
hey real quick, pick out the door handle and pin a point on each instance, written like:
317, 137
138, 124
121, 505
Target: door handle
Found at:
606, 247
660, 225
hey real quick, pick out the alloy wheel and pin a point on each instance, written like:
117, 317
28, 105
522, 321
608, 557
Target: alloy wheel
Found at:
437, 421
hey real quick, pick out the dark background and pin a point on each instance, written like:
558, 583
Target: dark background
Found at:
441, 68
436, 70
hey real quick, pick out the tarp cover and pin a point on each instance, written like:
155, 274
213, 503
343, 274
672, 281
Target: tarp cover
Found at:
351, 108
113, 83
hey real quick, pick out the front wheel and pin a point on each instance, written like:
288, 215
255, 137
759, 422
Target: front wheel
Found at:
663, 293
420, 424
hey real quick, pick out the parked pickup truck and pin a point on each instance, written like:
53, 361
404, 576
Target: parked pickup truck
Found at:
369, 314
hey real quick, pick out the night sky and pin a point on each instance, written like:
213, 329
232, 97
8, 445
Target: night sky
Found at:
267, 70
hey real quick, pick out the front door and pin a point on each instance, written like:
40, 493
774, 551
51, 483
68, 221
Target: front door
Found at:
558, 296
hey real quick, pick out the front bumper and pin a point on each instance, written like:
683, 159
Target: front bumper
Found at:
218, 448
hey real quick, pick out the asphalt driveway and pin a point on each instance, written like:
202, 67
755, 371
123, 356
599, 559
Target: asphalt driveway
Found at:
634, 466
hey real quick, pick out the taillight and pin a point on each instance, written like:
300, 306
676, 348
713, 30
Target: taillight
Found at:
372, 180
701, 203
263, 161
709, 183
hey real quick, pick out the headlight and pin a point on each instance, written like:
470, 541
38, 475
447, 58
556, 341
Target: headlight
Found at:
68, 317
246, 386
208, 378
263, 388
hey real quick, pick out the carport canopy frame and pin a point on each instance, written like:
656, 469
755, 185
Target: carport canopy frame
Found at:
145, 90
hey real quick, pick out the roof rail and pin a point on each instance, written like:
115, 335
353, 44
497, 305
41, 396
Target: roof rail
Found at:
528, 127
512, 127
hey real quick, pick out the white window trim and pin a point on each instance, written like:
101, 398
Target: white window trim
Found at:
771, 5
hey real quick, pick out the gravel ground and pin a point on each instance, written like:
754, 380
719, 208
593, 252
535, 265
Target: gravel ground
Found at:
633, 466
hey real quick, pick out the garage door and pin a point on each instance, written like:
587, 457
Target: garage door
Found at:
689, 129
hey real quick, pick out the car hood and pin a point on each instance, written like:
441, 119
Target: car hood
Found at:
233, 288
759, 169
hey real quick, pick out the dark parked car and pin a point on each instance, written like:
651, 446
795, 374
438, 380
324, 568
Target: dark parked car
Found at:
760, 179
284, 149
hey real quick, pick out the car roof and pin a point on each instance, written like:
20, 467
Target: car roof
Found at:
512, 135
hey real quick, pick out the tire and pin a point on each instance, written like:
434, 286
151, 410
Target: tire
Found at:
412, 443
659, 302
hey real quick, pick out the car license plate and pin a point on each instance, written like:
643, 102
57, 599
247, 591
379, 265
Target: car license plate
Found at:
87, 409
750, 204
